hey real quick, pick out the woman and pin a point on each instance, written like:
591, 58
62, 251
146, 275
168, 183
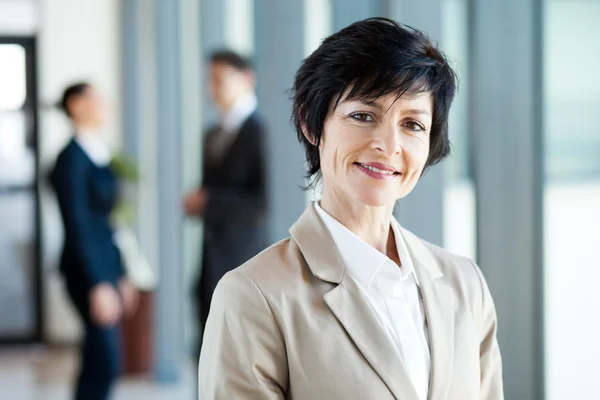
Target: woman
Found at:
353, 306
91, 265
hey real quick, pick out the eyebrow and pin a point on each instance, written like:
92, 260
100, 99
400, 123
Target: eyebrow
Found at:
418, 111
377, 105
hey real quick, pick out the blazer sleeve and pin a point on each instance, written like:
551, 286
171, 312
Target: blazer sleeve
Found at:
70, 183
489, 353
243, 353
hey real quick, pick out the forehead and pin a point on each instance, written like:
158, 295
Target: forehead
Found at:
222, 68
89, 93
420, 100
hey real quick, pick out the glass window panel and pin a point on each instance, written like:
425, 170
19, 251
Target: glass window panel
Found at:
459, 196
17, 161
13, 86
571, 197
318, 25
17, 262
240, 25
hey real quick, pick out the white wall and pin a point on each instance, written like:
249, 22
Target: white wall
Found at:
78, 40
18, 17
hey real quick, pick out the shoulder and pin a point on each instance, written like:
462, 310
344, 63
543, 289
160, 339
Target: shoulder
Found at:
279, 270
458, 272
71, 154
211, 131
463, 275
255, 122
455, 268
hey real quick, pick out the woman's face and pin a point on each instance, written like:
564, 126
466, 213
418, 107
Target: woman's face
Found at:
373, 152
90, 109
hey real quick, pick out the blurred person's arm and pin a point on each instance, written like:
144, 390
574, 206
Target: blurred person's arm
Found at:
489, 355
243, 352
130, 297
105, 305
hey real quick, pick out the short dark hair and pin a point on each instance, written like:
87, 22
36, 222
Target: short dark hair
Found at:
231, 58
366, 60
72, 91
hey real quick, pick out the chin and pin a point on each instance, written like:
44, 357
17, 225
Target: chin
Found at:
376, 198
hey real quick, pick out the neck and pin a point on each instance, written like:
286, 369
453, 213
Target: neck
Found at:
371, 224
227, 108
84, 129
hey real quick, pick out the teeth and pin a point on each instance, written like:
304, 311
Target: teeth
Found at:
379, 171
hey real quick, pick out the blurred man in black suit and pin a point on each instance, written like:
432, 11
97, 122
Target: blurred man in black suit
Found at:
232, 198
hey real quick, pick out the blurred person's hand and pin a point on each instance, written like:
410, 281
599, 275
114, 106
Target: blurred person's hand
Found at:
105, 305
130, 297
195, 203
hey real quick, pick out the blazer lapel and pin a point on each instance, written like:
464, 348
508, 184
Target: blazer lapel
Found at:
438, 302
354, 312
350, 306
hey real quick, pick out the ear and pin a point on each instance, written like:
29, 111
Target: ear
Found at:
307, 135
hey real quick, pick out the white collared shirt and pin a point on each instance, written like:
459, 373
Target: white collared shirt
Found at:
231, 123
233, 119
95, 148
393, 292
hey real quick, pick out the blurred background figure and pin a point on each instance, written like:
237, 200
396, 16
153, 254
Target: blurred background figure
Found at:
232, 197
86, 189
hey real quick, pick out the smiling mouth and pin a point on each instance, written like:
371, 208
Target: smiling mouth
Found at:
378, 170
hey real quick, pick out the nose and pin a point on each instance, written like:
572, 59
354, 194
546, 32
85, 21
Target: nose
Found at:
388, 140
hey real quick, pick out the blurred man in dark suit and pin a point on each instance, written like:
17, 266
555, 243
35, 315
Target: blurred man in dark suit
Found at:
232, 198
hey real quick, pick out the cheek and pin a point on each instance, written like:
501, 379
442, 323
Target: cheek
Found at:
339, 156
329, 160
416, 153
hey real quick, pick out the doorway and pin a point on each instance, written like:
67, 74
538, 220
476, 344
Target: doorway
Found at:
20, 266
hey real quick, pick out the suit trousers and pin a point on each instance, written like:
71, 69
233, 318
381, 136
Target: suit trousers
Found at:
101, 352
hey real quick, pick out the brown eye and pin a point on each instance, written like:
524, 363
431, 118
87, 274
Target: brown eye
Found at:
414, 126
361, 117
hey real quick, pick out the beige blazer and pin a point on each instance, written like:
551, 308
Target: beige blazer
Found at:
293, 324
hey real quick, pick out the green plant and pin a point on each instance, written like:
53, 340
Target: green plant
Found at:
125, 168
127, 173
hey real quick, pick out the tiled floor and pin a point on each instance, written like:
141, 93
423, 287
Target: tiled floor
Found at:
39, 374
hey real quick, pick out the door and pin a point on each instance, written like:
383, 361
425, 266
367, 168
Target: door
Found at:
20, 288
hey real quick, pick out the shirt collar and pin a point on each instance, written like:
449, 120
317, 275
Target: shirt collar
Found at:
233, 119
94, 147
362, 260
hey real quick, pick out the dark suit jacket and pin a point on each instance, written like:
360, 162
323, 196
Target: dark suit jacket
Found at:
86, 195
234, 219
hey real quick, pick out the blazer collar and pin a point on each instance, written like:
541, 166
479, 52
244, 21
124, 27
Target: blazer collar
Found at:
319, 249
351, 307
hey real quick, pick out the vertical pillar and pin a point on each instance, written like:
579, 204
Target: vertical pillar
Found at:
279, 51
168, 304
130, 30
346, 12
506, 115
213, 35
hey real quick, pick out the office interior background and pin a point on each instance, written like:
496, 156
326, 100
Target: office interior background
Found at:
520, 193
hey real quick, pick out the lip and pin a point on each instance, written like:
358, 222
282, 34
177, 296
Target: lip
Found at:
383, 167
378, 175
